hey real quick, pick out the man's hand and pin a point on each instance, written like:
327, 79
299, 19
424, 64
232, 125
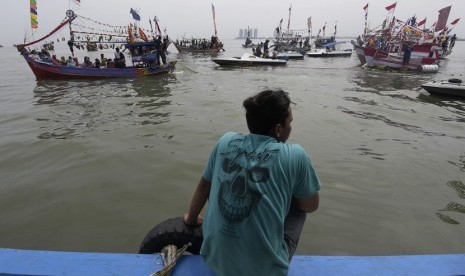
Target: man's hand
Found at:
192, 221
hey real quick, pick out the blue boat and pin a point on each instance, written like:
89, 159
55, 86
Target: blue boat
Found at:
31, 262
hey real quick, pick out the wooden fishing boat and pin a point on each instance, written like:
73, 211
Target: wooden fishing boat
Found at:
249, 60
143, 51
207, 48
451, 87
47, 70
34, 262
172, 237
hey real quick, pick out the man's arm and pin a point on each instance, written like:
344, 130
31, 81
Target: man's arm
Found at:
309, 204
193, 218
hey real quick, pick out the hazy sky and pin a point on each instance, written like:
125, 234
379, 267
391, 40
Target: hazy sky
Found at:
194, 17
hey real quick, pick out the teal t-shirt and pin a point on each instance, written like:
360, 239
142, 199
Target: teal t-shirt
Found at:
253, 178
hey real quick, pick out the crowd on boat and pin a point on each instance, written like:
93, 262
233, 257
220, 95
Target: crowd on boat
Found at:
200, 43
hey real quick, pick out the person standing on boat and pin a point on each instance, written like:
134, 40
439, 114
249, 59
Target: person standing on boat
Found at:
265, 48
120, 60
407, 54
159, 47
259, 190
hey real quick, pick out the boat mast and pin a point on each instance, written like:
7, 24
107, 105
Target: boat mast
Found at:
289, 21
214, 23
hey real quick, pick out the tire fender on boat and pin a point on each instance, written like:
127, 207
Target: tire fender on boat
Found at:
455, 80
172, 231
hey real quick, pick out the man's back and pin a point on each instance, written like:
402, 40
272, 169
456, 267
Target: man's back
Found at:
254, 178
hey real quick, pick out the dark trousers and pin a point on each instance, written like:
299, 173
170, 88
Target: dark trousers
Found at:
293, 228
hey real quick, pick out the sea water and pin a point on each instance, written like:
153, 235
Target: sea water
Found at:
94, 165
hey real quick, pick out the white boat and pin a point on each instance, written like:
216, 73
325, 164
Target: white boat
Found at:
330, 53
290, 55
450, 87
330, 50
248, 60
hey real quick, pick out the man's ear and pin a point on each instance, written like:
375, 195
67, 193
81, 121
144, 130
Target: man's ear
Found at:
277, 131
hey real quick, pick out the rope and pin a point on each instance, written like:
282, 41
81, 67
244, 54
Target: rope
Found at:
170, 254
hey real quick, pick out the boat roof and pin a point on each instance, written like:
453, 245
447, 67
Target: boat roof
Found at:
331, 44
137, 44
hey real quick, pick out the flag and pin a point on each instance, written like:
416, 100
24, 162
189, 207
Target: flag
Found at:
422, 22
442, 18
366, 11
392, 6
135, 15
33, 8
455, 21
143, 36
77, 2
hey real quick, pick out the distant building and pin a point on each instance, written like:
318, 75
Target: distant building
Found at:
248, 31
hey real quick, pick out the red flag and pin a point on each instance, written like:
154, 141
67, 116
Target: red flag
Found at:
77, 2
442, 18
455, 21
392, 6
422, 22
366, 7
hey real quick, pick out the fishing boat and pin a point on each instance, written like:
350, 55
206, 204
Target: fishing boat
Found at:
48, 70
423, 54
451, 87
36, 262
249, 60
201, 45
143, 52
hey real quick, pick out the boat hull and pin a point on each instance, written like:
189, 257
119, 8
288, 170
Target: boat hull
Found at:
239, 62
34, 262
445, 88
330, 54
182, 49
43, 70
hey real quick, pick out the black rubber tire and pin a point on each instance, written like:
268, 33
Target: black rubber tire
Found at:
455, 80
172, 231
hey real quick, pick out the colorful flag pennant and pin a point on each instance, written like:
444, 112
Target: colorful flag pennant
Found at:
455, 21
135, 15
442, 18
392, 6
33, 8
422, 22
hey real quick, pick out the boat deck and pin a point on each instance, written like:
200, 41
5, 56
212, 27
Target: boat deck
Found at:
31, 262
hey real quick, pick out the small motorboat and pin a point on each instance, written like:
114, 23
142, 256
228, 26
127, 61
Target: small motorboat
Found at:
450, 87
330, 53
331, 49
290, 55
249, 60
